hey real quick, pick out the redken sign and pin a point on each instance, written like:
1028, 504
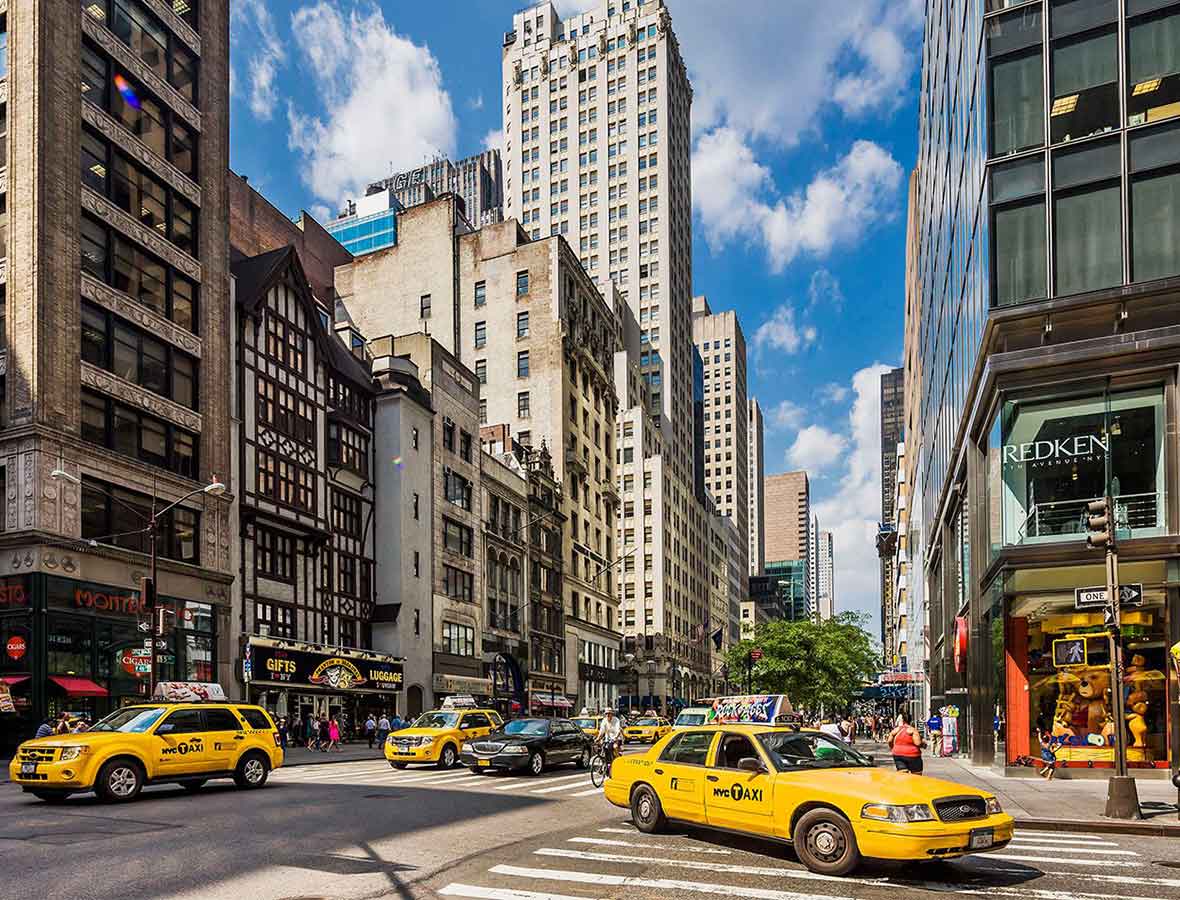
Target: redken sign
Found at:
1058, 450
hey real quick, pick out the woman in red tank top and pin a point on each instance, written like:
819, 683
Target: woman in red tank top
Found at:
906, 745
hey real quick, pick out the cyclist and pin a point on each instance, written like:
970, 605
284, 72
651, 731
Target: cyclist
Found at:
610, 737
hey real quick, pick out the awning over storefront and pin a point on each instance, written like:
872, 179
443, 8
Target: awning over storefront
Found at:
14, 679
270, 663
558, 701
78, 687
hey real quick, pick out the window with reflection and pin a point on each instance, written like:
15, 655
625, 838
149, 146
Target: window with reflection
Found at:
1016, 100
1087, 216
1153, 62
1083, 68
1017, 196
1154, 161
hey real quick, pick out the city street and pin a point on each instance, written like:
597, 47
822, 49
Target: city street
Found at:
361, 829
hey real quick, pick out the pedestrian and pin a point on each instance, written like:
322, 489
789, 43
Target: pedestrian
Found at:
63, 723
905, 743
45, 729
832, 729
934, 729
383, 729
849, 728
1048, 755
334, 735
370, 729
283, 732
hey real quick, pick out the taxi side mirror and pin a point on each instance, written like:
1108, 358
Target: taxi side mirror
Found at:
751, 764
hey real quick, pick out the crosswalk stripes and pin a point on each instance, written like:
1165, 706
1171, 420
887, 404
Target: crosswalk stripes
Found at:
563, 787
562, 778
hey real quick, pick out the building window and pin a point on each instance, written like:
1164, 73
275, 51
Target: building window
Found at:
414, 438
424, 306
1155, 202
481, 371
346, 514
464, 446
415, 506
117, 516
457, 537
285, 482
481, 293
457, 489
481, 334
348, 449
1087, 215
346, 580
1019, 270
139, 435
417, 566
1153, 66
522, 324
1016, 102
274, 554
522, 364
458, 640
483, 412
274, 620
522, 405
110, 343
155, 46
285, 412
522, 283
458, 584
285, 344
1084, 69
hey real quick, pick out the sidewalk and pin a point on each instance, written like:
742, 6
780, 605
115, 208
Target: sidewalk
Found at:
1059, 805
359, 750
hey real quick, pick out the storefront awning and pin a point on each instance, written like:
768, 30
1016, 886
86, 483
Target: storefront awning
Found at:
78, 687
14, 679
557, 701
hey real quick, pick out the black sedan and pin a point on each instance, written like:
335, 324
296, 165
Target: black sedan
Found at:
529, 745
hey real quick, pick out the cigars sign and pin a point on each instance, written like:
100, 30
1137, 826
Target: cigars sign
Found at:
303, 666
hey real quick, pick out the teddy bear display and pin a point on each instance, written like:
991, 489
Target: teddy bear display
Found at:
1083, 709
1136, 717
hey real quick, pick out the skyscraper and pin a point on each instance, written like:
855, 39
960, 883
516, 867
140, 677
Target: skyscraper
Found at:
757, 489
596, 148
119, 394
892, 427
826, 579
788, 494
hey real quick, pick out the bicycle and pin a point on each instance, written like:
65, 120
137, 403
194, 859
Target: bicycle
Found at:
600, 764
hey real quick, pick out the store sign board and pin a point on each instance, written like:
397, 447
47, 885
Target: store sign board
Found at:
16, 647
1065, 449
1095, 597
329, 671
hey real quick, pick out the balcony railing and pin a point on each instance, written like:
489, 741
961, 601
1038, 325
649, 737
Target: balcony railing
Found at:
1136, 515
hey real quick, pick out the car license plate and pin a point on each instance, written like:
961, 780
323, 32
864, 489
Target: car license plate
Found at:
28, 768
982, 838
485, 762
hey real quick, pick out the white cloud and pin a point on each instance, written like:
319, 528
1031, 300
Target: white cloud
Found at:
734, 196
475, 102
384, 105
833, 393
253, 27
782, 332
825, 290
784, 415
816, 449
851, 513
494, 140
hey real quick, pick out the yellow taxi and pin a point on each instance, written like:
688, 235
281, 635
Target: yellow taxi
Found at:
807, 789
436, 736
588, 724
185, 743
647, 730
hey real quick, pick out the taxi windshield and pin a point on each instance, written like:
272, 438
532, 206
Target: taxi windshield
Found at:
648, 722
527, 727
584, 723
437, 720
791, 751
132, 720
690, 719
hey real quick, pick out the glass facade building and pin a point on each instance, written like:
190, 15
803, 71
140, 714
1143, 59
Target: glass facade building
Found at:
364, 234
1048, 250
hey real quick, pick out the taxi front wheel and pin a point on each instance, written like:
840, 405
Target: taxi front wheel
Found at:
646, 811
119, 781
446, 759
825, 843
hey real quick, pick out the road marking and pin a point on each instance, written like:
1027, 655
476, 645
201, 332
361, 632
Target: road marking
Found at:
683, 863
486, 893
1118, 879
1118, 863
563, 787
301, 773
607, 842
1026, 837
518, 778
1085, 838
618, 831
587, 793
449, 781
1021, 846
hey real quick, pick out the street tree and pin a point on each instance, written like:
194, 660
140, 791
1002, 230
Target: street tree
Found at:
815, 663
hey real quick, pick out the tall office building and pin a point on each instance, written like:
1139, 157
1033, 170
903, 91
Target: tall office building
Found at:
596, 148
826, 577
892, 425
813, 564
117, 196
757, 487
788, 530
1046, 265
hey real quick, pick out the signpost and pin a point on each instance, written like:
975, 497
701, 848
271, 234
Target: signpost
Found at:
1096, 597
754, 655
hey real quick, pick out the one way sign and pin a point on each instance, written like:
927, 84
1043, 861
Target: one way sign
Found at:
1095, 597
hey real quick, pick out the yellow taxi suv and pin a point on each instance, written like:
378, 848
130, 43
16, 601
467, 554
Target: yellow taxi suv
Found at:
647, 730
588, 724
806, 789
436, 736
154, 743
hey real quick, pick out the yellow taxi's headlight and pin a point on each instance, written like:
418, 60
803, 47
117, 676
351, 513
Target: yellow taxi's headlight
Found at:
993, 806
68, 753
883, 812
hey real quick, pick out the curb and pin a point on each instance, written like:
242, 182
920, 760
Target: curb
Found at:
1145, 828
315, 758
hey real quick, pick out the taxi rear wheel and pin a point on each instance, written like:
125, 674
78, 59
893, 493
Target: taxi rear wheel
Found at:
119, 781
252, 771
825, 843
446, 759
646, 811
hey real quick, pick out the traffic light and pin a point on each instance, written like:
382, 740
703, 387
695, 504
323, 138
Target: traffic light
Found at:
1100, 524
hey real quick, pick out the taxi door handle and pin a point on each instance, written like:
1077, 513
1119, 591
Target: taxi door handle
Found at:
659, 771
712, 778
239, 737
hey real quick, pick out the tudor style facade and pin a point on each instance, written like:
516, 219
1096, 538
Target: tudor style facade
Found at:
304, 457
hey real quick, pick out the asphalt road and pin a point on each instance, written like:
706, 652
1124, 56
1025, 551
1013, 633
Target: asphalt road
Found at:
361, 829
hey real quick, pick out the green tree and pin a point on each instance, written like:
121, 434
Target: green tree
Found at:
815, 663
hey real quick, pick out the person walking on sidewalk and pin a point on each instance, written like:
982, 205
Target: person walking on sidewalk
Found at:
905, 743
283, 732
334, 736
382, 731
934, 729
1048, 756
370, 729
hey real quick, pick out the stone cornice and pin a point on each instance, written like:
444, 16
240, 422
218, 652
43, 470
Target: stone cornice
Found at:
122, 305
122, 53
183, 30
95, 203
133, 395
136, 149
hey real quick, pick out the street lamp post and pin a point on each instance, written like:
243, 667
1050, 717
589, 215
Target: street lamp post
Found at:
215, 488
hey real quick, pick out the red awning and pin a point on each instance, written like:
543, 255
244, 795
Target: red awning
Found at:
78, 687
14, 679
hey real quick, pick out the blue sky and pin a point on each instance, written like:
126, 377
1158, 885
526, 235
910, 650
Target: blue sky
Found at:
804, 132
